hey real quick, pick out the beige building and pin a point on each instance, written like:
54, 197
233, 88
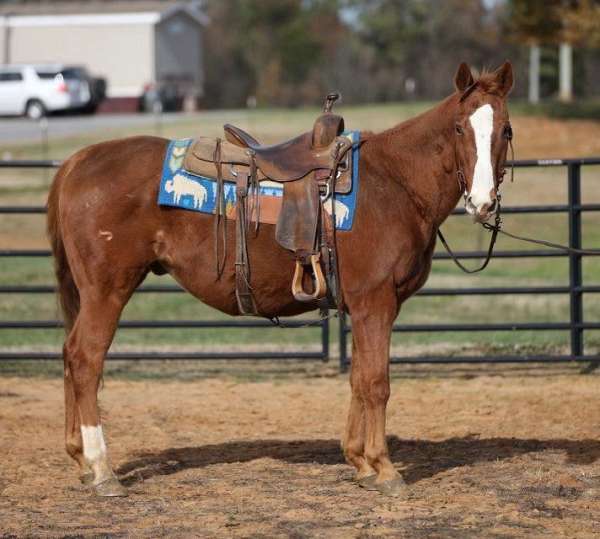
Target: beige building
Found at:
130, 44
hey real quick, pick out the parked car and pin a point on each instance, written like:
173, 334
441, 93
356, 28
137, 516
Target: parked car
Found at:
35, 90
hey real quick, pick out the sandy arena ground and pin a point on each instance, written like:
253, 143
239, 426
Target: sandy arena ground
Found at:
484, 456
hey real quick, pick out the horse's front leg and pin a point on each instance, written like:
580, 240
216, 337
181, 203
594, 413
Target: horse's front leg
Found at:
353, 443
371, 330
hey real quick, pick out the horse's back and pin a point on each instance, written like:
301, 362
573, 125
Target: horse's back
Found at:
113, 177
117, 160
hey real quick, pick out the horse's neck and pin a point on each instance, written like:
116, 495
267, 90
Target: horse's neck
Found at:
419, 156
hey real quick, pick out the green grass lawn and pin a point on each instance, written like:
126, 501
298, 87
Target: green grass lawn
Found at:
531, 186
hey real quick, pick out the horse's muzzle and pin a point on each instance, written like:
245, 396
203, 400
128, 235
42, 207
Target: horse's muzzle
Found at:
484, 212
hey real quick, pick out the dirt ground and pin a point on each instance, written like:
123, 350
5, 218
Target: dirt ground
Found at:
483, 456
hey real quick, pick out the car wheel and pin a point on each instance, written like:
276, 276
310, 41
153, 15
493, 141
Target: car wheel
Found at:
35, 109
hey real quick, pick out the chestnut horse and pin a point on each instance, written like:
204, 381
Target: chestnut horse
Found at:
107, 233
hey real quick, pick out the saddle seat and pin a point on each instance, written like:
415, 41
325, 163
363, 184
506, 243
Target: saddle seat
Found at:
293, 159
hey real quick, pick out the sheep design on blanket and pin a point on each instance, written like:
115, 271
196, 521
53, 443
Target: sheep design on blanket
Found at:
182, 186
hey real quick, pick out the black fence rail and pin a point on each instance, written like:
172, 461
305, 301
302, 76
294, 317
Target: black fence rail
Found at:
322, 354
575, 289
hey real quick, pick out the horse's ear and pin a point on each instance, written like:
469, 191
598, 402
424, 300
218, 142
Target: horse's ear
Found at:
463, 78
504, 76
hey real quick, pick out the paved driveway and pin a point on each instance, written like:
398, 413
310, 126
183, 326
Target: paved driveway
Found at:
15, 130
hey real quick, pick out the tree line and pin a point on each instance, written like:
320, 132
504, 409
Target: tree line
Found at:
292, 52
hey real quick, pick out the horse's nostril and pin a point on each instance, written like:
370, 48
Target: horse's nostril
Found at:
492, 207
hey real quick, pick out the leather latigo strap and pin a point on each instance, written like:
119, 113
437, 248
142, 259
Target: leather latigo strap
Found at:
243, 289
220, 211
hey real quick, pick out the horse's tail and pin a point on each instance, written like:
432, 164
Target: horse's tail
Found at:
68, 293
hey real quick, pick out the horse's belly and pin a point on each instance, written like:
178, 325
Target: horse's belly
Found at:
189, 255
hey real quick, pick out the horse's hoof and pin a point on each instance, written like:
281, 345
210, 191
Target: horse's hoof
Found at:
392, 487
367, 482
110, 487
87, 478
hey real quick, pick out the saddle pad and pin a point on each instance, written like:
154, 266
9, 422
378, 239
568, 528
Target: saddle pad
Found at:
181, 189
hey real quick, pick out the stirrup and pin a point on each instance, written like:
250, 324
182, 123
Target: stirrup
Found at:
320, 283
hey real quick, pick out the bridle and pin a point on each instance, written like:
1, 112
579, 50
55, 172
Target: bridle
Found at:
462, 187
495, 229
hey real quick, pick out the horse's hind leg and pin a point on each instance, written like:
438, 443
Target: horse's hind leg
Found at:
73, 439
85, 350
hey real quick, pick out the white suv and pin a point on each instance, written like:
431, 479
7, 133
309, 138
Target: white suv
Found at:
34, 90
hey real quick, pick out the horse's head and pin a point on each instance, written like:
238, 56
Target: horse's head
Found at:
169, 186
482, 132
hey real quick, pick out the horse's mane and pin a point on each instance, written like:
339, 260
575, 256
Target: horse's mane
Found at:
488, 82
423, 123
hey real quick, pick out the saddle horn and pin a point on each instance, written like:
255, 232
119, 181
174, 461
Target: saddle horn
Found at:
330, 100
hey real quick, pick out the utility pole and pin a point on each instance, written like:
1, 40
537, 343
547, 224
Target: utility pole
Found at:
534, 74
565, 68
6, 44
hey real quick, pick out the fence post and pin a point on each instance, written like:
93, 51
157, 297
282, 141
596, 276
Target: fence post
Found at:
343, 340
45, 143
325, 338
575, 272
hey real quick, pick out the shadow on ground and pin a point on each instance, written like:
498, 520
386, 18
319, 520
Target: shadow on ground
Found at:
421, 458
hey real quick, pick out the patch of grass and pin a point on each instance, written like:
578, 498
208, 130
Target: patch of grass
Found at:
583, 109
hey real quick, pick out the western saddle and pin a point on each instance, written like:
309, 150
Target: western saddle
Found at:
312, 167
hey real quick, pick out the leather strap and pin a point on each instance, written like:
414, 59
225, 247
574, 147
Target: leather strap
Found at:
243, 290
495, 229
329, 258
341, 151
220, 212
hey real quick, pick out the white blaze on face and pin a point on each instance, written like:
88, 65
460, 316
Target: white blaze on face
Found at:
482, 122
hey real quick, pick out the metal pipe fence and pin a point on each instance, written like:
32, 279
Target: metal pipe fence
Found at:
574, 289
322, 354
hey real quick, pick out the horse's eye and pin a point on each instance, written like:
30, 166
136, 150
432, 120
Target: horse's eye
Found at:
508, 134
459, 129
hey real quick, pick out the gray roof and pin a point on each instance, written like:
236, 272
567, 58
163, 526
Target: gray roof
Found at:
76, 7
190, 9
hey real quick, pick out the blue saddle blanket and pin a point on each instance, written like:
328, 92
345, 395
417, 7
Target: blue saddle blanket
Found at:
181, 189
